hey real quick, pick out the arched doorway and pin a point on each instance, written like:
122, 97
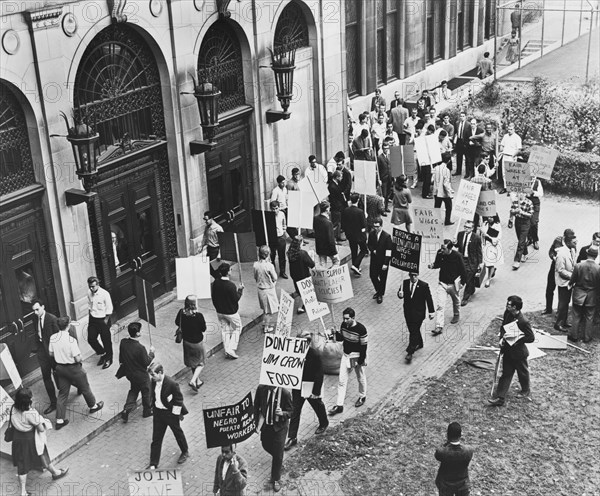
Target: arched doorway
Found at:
292, 28
118, 93
228, 166
26, 269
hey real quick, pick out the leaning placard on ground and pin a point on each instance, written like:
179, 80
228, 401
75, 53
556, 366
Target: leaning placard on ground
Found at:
365, 177
517, 176
158, 481
429, 224
283, 361
332, 285
541, 161
466, 199
229, 424
314, 308
193, 277
406, 251
285, 314
486, 205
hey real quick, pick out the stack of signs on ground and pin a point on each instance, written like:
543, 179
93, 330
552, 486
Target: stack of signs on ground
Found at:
285, 314
406, 251
541, 161
314, 308
193, 277
517, 176
332, 285
230, 424
466, 199
283, 361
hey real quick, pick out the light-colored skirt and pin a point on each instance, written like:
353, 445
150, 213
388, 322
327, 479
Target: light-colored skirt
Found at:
194, 354
267, 299
401, 216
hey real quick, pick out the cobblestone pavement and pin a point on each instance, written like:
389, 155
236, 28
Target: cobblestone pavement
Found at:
100, 466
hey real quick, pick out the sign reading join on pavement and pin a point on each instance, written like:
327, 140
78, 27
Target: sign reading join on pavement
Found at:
158, 481
314, 308
285, 314
365, 177
283, 361
229, 424
517, 176
429, 224
486, 206
406, 252
541, 161
301, 209
465, 202
193, 277
332, 285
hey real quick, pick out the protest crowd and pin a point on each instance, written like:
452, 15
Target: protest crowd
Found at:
396, 153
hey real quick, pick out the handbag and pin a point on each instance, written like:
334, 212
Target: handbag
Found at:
10, 430
178, 335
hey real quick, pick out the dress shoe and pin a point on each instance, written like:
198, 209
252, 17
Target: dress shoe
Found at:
560, 328
356, 270
547, 312
375, 296
284, 275
335, 410
147, 413
496, 401
125, 416
487, 284
61, 474
107, 364
536, 245
183, 458
97, 407
464, 302
50, 409
429, 197
387, 210
516, 265
567, 325
276, 486
300, 310
380, 299
193, 386
290, 444
233, 355
573, 340
448, 223
437, 331
321, 429
457, 174
102, 360
408, 357
384, 214
524, 394
524, 259
151, 467
61, 425
455, 319
502, 191
360, 401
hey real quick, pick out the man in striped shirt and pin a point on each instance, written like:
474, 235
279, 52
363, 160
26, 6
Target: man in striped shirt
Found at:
521, 210
354, 336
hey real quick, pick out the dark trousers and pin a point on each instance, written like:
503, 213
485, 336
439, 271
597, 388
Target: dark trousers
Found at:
97, 327
386, 191
460, 153
500, 173
415, 339
357, 257
273, 442
47, 365
213, 253
521, 230
402, 138
509, 367
279, 251
317, 405
582, 320
533, 228
161, 420
564, 296
426, 175
437, 203
471, 158
67, 376
454, 489
378, 277
336, 220
138, 385
470, 282
550, 286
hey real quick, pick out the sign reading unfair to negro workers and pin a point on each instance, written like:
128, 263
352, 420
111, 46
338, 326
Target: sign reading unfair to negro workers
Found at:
229, 424
158, 481
406, 252
283, 361
332, 285
314, 308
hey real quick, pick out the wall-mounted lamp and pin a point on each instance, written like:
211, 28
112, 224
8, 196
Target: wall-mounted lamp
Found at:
207, 96
283, 63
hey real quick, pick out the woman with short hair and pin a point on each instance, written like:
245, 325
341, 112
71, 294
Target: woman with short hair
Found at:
265, 277
192, 326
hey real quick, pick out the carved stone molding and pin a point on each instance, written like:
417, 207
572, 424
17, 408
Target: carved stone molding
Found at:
48, 18
116, 8
11, 41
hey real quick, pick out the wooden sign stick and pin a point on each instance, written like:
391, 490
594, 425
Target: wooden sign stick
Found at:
147, 310
237, 253
264, 218
556, 339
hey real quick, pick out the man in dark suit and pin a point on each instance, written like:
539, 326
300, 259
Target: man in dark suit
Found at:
583, 252
469, 246
398, 115
585, 280
384, 170
514, 357
416, 295
473, 147
380, 246
354, 224
134, 360
377, 100
311, 374
168, 411
460, 142
45, 325
324, 236
338, 202
453, 475
233, 483
273, 409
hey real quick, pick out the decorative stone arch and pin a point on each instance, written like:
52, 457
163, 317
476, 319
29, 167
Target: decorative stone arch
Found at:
295, 18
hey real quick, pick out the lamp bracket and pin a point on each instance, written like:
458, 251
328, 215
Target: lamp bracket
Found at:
197, 147
77, 196
277, 115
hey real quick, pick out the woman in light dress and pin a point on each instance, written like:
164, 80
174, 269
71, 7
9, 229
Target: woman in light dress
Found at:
265, 277
491, 233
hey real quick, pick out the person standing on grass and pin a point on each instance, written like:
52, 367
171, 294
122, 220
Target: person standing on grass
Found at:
586, 287
551, 282
514, 357
453, 475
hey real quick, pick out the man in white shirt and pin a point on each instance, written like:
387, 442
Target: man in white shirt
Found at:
565, 263
280, 194
444, 92
391, 136
100, 310
410, 125
510, 146
316, 172
378, 132
69, 371
279, 248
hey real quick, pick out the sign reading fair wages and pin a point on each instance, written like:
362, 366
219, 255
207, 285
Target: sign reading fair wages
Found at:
229, 424
283, 361
517, 176
466, 199
428, 223
314, 308
332, 285
541, 161
285, 314
406, 252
